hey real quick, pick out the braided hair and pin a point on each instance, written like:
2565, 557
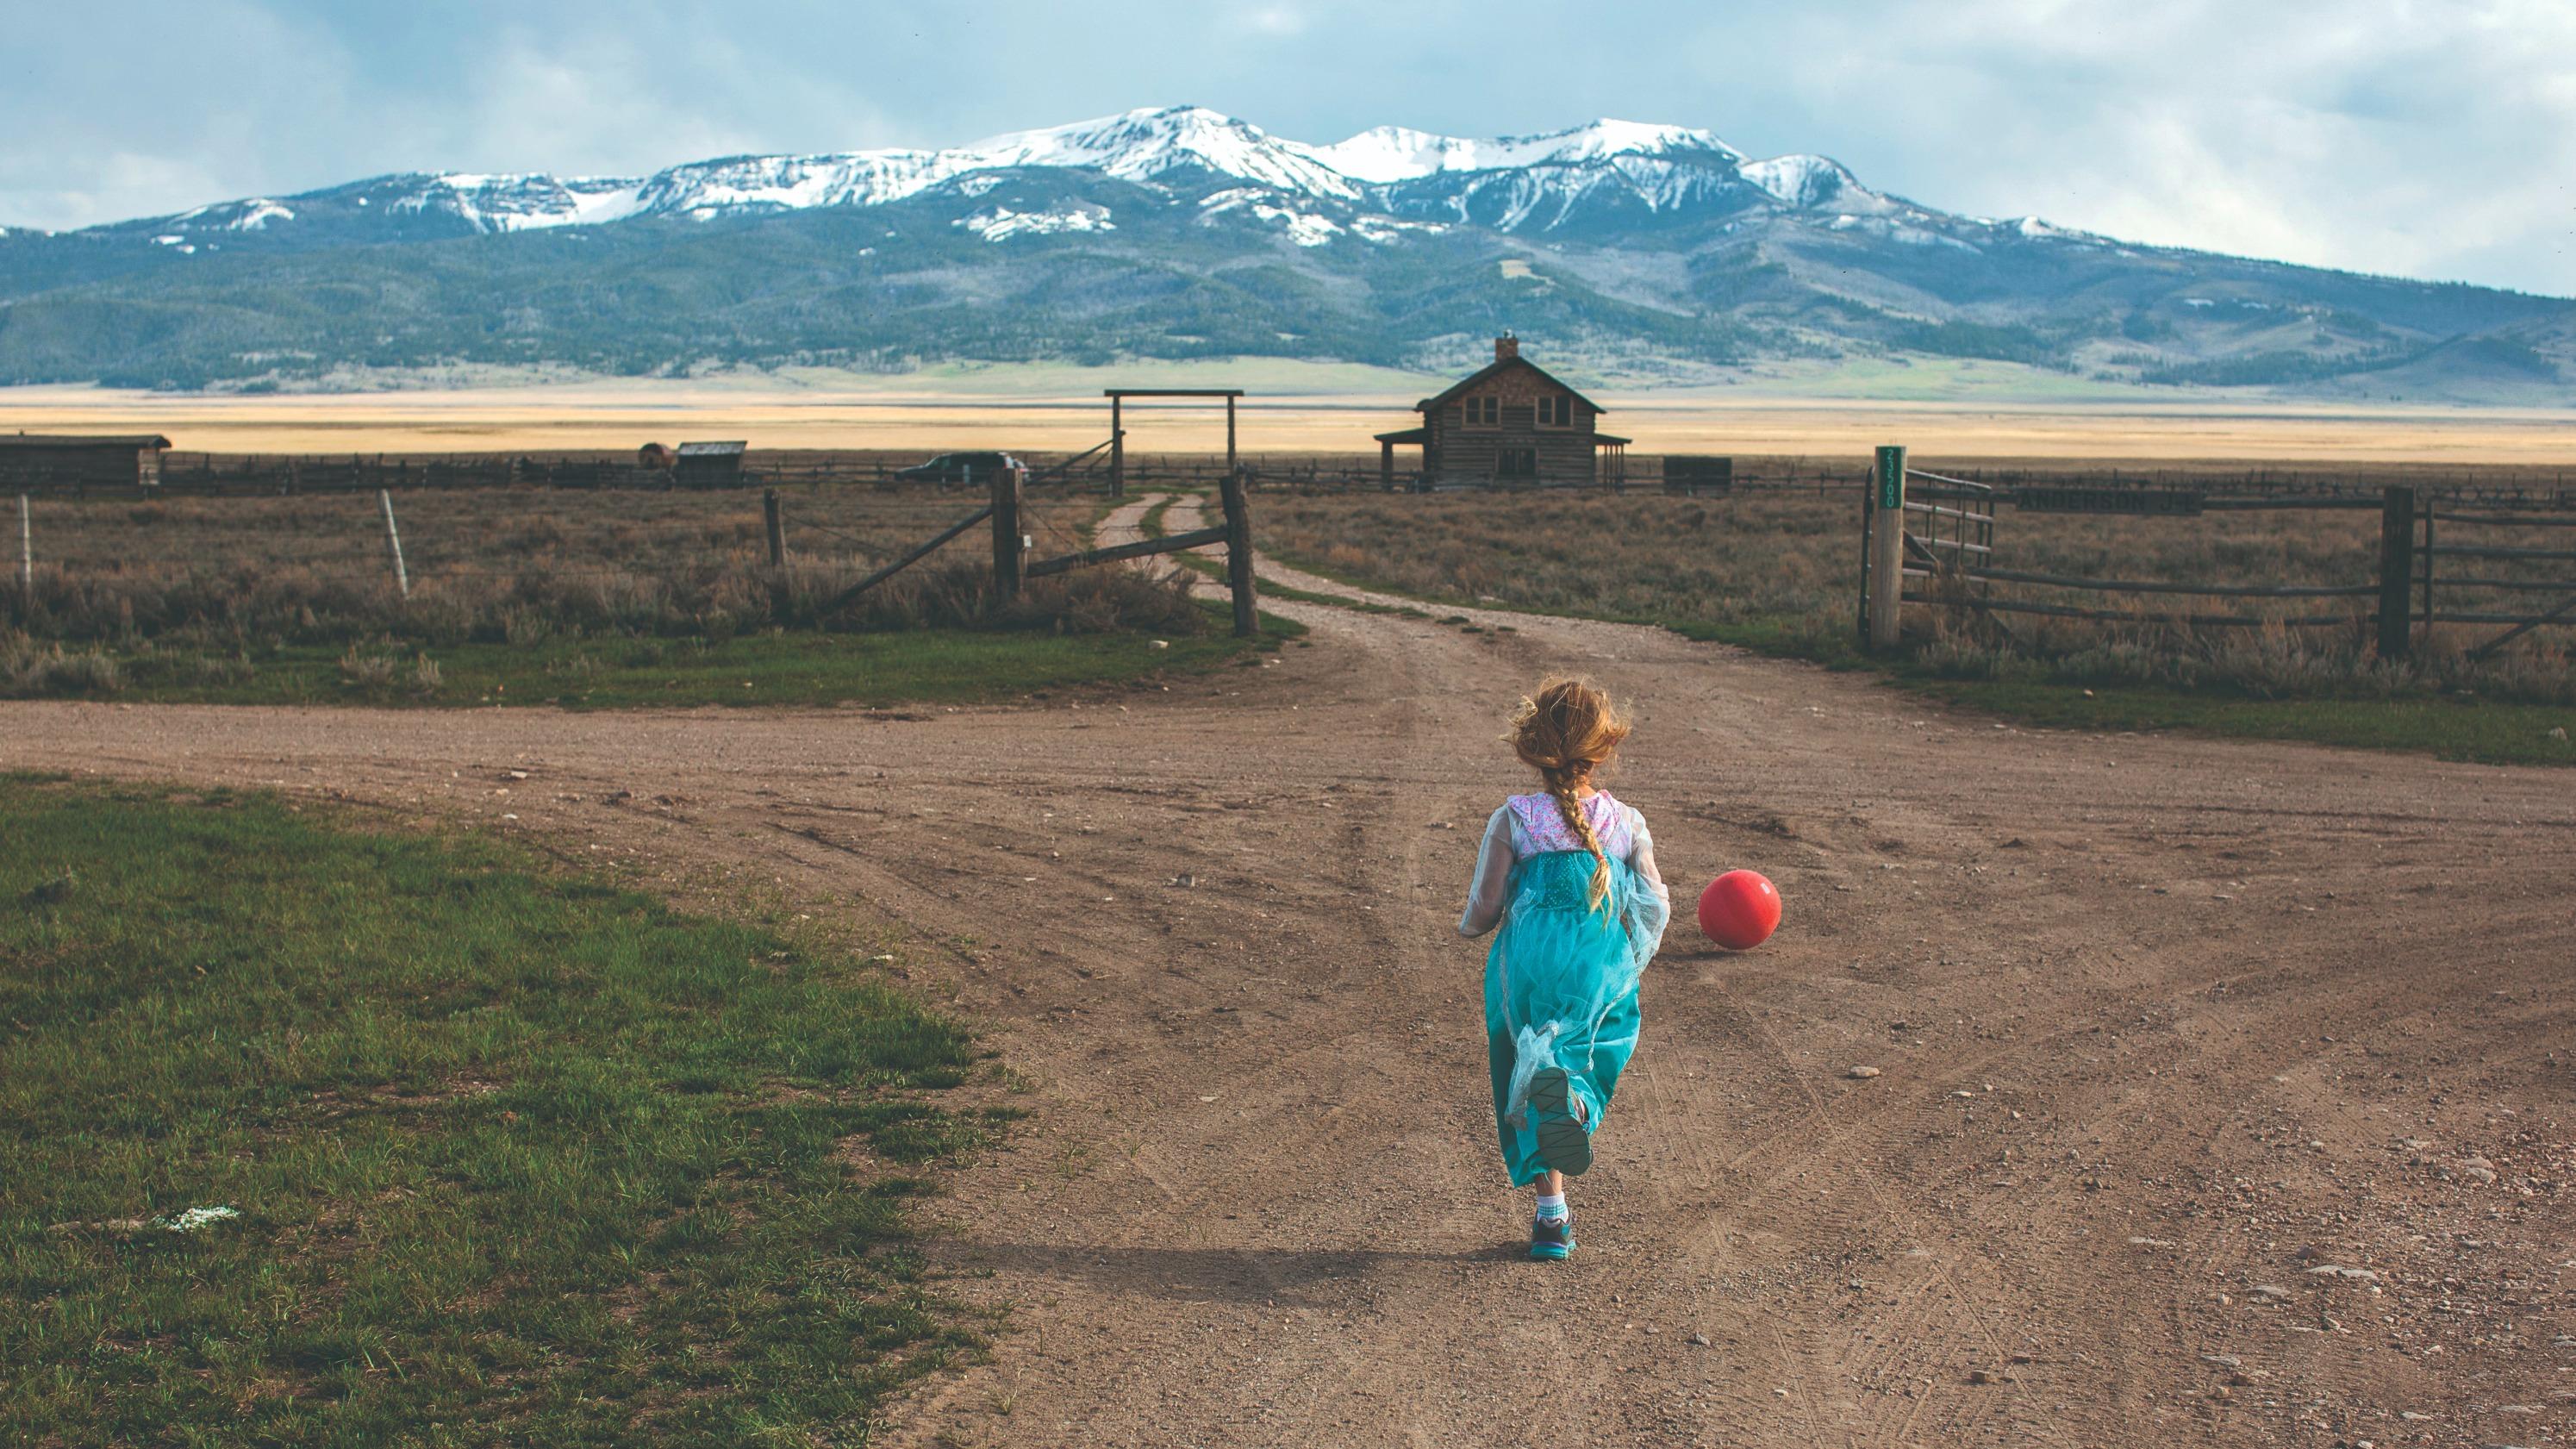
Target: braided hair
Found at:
1565, 732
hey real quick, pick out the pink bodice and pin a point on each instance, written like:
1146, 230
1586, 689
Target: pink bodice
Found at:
1543, 829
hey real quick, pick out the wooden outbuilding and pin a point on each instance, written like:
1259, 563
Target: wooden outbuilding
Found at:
34, 462
1511, 423
708, 465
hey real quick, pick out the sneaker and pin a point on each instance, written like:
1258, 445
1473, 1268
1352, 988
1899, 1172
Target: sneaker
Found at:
1552, 1239
1557, 1115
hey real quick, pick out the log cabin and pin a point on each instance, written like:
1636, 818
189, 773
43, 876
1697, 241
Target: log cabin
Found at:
1510, 424
34, 462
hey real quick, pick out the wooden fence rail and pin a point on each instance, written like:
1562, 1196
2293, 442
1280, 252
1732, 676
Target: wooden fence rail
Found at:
1012, 566
1142, 548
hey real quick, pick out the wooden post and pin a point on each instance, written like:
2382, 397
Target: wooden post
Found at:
1386, 466
777, 526
1231, 470
1238, 555
26, 550
2428, 565
1886, 547
1007, 556
1117, 451
393, 542
2396, 571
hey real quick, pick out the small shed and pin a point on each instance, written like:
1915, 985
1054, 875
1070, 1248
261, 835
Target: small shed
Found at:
1695, 474
1508, 423
31, 462
708, 465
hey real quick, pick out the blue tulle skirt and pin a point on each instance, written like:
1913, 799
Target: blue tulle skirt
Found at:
1561, 990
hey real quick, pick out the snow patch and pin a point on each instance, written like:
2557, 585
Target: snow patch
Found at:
1385, 229
1394, 153
1000, 223
1304, 228
258, 212
1799, 181
503, 203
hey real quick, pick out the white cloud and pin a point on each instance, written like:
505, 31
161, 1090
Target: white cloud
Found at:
2378, 135
1275, 20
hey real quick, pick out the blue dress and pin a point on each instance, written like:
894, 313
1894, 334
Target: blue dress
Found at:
1561, 978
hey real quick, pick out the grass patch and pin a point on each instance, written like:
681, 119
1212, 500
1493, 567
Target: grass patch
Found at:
516, 1157
940, 666
2482, 731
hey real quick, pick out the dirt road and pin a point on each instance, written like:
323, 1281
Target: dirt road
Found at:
2222, 1094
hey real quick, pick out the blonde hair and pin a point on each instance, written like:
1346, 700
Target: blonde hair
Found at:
1565, 732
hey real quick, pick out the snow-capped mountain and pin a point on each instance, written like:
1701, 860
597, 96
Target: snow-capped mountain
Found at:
1512, 183
1181, 232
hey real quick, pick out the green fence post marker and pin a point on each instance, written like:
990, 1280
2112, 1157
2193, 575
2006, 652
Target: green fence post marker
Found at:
1886, 547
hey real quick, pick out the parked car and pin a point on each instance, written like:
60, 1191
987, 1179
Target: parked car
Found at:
958, 468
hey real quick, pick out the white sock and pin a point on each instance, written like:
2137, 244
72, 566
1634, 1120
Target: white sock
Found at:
1551, 1205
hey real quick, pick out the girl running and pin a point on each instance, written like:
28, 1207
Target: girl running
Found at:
1569, 873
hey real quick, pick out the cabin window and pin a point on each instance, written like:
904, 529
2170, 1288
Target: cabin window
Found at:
1516, 463
1556, 412
1484, 412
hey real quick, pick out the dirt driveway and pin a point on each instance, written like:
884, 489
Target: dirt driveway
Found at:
2222, 1090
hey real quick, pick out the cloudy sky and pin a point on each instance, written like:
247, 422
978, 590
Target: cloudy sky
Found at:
2430, 138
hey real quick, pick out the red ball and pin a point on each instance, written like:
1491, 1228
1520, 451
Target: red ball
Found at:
1739, 910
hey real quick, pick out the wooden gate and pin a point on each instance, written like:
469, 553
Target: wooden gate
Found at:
2493, 573
1012, 565
1929, 539
1918, 525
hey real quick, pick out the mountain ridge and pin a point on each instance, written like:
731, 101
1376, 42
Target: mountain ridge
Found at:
1135, 145
1169, 231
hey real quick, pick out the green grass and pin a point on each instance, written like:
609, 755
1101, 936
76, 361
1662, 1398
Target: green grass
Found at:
940, 666
2481, 731
518, 1157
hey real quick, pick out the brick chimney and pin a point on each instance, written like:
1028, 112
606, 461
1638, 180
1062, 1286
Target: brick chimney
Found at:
1506, 347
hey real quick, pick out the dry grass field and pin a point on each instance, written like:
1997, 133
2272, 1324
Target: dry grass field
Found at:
1290, 411
556, 591
1780, 570
512, 564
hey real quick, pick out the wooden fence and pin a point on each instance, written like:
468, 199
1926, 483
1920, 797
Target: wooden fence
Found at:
1929, 539
203, 474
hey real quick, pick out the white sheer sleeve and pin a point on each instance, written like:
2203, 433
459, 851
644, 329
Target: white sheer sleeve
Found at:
1487, 895
1648, 912
1641, 852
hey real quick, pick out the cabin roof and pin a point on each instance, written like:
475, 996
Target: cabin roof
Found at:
713, 450
1493, 369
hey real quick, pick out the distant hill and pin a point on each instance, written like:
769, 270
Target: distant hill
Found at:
1633, 249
